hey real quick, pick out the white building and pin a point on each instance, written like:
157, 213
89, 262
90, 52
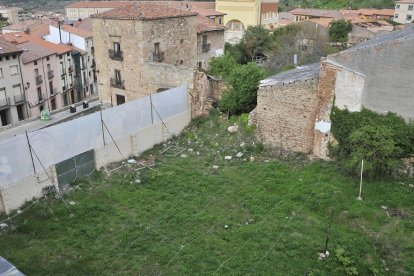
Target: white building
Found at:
404, 11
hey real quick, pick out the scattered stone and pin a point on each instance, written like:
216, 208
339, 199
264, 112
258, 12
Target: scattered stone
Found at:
228, 157
244, 159
242, 145
190, 150
384, 207
183, 156
226, 226
198, 153
239, 154
300, 179
266, 161
326, 253
233, 129
3, 225
19, 211
138, 181
215, 167
252, 158
401, 183
322, 255
411, 185
71, 203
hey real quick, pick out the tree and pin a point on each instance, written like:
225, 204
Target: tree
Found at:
339, 30
255, 40
242, 96
3, 21
222, 66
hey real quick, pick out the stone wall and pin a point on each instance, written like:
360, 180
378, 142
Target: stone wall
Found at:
285, 115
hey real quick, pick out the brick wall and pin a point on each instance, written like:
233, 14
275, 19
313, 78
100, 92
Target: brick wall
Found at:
285, 115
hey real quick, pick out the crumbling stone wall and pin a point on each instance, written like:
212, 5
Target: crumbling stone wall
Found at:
285, 115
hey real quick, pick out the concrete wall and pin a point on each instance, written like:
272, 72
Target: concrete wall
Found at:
285, 115
348, 90
389, 75
17, 193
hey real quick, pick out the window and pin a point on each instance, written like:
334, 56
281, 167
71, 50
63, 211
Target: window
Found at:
120, 99
156, 48
14, 70
41, 108
53, 103
35, 62
117, 47
68, 54
220, 20
48, 67
14, 56
39, 93
36, 72
410, 7
47, 58
204, 39
409, 17
1, 72
397, 7
117, 76
396, 16
51, 88
7, 57
60, 57
17, 90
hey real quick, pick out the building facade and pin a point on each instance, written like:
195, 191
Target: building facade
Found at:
210, 41
404, 11
14, 14
142, 49
12, 97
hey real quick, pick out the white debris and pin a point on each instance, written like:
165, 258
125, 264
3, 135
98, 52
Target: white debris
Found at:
252, 158
239, 154
131, 161
183, 156
326, 253
190, 150
384, 207
226, 226
19, 211
227, 157
3, 225
411, 185
215, 167
242, 145
198, 153
233, 129
71, 203
138, 181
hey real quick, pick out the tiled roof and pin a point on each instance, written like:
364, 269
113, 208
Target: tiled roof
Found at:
7, 48
40, 30
85, 24
208, 12
21, 26
19, 38
388, 12
306, 72
143, 11
317, 13
324, 22
33, 51
98, 4
77, 31
207, 25
384, 39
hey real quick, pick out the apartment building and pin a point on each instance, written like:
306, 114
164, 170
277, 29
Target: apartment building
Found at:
82, 41
143, 48
14, 14
12, 98
404, 11
210, 41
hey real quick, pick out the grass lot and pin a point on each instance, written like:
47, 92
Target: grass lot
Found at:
266, 217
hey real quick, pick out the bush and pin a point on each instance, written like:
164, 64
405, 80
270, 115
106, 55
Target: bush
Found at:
339, 29
242, 96
222, 66
381, 140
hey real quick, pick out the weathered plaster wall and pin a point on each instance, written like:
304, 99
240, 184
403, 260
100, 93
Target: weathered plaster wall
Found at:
216, 41
348, 90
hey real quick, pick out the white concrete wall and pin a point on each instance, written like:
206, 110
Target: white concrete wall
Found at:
349, 87
54, 37
17, 193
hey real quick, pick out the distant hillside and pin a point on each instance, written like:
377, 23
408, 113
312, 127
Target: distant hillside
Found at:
337, 4
38, 5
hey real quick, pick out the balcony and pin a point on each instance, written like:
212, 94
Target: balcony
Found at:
42, 98
4, 103
158, 57
65, 88
18, 99
71, 69
116, 55
39, 79
50, 74
53, 91
117, 83
205, 47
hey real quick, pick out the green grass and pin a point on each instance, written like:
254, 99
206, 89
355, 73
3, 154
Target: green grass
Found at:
277, 211
339, 4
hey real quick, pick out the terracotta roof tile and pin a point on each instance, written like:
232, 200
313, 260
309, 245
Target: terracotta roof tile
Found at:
98, 4
21, 26
33, 51
317, 13
77, 31
207, 25
7, 48
85, 24
19, 38
208, 12
143, 11
41, 30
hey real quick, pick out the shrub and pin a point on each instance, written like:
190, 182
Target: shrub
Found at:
339, 29
222, 66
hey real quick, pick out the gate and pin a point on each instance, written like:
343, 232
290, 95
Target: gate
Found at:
74, 168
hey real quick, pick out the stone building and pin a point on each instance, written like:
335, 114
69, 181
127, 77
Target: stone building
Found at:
12, 108
144, 48
286, 109
210, 41
376, 74
14, 14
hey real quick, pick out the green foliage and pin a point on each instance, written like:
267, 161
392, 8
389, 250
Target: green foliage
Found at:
234, 50
346, 264
3, 21
392, 22
242, 96
255, 40
381, 140
338, 4
222, 66
339, 29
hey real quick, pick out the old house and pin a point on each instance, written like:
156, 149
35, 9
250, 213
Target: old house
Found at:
404, 10
12, 99
376, 74
210, 41
143, 48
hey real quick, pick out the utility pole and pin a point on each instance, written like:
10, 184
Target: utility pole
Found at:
360, 183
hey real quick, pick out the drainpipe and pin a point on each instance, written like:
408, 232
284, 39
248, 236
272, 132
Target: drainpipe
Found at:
60, 33
24, 88
44, 77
